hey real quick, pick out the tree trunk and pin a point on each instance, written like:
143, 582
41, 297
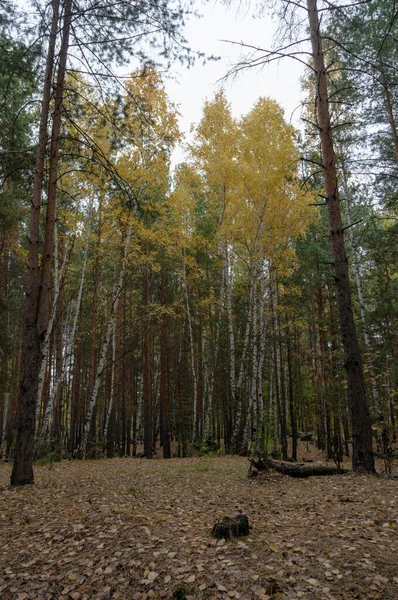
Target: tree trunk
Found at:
238, 432
283, 391
390, 111
362, 307
228, 304
55, 400
22, 472
292, 403
192, 354
362, 456
58, 285
104, 352
146, 367
323, 364
51, 213
164, 370
296, 470
114, 390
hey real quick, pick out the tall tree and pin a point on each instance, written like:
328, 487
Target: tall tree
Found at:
99, 34
362, 457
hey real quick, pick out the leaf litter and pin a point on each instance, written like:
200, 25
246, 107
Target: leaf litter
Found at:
131, 529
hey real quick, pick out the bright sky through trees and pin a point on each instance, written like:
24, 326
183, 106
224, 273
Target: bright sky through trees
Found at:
190, 88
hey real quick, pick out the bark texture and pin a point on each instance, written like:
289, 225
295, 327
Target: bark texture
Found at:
362, 456
22, 472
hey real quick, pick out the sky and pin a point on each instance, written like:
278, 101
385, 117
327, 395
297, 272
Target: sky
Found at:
189, 88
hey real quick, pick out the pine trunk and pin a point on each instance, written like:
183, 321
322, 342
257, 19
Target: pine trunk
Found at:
362, 458
22, 472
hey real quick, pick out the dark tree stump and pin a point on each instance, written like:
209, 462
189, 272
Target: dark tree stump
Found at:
229, 527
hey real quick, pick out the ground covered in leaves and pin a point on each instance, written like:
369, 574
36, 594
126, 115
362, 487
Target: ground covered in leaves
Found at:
132, 529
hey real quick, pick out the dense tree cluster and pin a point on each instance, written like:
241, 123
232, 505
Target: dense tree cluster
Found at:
205, 307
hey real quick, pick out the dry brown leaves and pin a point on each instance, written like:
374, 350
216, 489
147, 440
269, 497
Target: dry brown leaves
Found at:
132, 529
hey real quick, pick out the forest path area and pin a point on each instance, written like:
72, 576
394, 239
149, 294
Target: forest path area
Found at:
132, 529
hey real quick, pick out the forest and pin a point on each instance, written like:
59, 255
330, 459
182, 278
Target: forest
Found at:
232, 304
198, 361
238, 301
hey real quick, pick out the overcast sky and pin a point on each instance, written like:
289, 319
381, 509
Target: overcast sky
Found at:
192, 87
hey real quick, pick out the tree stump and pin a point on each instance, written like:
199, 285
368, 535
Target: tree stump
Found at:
231, 527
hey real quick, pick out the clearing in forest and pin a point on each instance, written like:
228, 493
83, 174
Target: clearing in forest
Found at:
132, 529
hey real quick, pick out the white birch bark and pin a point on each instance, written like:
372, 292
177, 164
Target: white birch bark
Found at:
262, 340
252, 404
243, 360
58, 277
210, 377
192, 351
70, 347
109, 411
252, 288
227, 272
104, 351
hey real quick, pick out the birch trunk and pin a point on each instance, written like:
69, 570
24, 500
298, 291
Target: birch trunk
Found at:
192, 353
238, 432
262, 342
70, 348
104, 351
212, 378
252, 405
58, 278
228, 304
109, 411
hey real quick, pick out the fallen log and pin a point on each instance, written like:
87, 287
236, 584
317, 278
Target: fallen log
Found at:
297, 469
306, 436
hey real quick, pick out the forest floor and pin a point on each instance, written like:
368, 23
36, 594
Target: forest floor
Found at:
132, 529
